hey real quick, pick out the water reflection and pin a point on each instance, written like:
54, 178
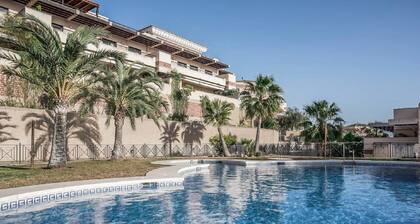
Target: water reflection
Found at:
398, 183
277, 194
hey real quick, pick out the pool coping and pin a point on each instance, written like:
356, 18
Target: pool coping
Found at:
169, 177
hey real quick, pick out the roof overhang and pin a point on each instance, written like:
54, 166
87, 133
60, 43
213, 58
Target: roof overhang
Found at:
82, 5
173, 39
151, 36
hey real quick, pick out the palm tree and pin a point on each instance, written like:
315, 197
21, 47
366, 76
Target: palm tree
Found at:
324, 117
179, 98
125, 92
34, 52
217, 113
261, 100
291, 120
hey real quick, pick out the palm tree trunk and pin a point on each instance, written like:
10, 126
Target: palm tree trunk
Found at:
325, 140
58, 150
119, 123
222, 140
257, 137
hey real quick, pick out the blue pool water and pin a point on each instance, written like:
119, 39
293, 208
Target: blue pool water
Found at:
275, 194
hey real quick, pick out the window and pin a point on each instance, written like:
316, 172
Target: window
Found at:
208, 72
134, 50
192, 67
109, 42
58, 27
182, 64
4, 10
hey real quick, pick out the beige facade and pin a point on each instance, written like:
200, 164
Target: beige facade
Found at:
406, 128
146, 132
152, 47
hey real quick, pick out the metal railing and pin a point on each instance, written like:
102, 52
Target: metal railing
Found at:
330, 150
21, 153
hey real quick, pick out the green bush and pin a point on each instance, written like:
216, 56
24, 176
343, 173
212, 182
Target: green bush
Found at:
215, 142
248, 145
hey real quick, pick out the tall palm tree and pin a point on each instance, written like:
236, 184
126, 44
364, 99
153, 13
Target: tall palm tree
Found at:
179, 97
217, 113
126, 93
324, 116
261, 100
34, 52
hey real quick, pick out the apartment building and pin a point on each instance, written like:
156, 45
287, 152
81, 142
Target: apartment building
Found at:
151, 46
405, 126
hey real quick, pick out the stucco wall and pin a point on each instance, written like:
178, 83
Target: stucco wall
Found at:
369, 143
146, 131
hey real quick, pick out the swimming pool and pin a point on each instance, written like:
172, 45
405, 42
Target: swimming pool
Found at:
269, 194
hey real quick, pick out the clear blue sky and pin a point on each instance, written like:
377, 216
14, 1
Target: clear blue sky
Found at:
362, 54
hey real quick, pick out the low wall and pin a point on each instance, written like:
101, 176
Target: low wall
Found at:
399, 147
146, 132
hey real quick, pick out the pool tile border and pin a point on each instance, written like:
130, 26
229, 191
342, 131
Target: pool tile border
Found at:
57, 193
62, 194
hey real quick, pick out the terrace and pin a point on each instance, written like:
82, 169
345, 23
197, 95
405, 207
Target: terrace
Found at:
80, 11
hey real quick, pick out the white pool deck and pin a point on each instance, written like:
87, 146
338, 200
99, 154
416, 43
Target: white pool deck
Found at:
169, 177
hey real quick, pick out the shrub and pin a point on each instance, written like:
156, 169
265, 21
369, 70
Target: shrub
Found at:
177, 154
215, 142
248, 146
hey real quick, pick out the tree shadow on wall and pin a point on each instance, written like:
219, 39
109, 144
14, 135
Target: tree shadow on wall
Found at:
84, 128
4, 134
170, 135
193, 132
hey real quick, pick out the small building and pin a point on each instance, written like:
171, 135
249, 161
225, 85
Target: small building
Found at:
405, 127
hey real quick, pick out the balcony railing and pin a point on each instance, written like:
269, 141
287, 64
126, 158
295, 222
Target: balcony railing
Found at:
200, 77
135, 57
404, 121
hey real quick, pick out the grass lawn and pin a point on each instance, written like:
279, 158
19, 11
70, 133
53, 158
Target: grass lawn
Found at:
24, 176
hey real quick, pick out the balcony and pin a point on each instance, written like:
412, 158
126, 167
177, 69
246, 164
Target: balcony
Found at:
200, 77
196, 96
143, 59
131, 56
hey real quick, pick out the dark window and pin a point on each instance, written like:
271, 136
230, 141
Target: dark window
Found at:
208, 72
182, 64
109, 42
192, 67
134, 50
3, 10
58, 27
